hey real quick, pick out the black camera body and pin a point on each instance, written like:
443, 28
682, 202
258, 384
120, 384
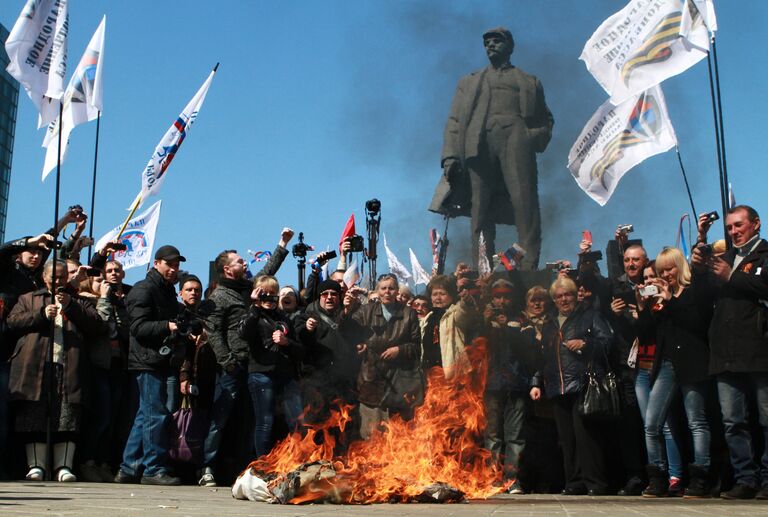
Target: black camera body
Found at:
357, 243
188, 323
266, 297
712, 216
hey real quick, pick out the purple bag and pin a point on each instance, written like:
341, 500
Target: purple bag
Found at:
188, 431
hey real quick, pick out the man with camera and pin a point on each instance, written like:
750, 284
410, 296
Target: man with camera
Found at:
224, 309
153, 310
738, 342
623, 305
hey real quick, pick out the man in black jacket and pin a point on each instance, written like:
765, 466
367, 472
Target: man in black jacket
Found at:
152, 307
224, 309
738, 344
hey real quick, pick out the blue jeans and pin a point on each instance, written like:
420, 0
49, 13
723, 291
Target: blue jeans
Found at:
662, 393
733, 390
147, 443
643, 391
172, 395
263, 387
228, 387
505, 413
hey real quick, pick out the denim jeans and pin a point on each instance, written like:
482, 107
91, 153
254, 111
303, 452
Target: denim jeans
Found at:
263, 387
505, 413
733, 390
147, 443
643, 391
173, 395
228, 388
662, 393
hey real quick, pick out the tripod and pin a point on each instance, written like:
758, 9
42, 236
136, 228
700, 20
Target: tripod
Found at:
372, 225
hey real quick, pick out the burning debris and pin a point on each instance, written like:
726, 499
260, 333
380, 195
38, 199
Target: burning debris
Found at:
435, 457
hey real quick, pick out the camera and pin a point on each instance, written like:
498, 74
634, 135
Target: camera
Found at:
373, 206
93, 271
624, 229
265, 297
60, 289
649, 290
301, 248
705, 249
357, 244
712, 216
118, 246
188, 324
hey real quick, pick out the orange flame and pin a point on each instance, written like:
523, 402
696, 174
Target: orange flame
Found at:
440, 444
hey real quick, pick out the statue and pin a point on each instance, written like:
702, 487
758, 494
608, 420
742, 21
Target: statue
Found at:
498, 122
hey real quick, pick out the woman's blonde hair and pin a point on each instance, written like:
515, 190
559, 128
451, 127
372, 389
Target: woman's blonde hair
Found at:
562, 282
266, 281
669, 257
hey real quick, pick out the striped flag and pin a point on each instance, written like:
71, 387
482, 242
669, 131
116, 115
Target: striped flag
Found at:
648, 42
153, 176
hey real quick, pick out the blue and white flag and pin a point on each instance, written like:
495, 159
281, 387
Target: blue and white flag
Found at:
83, 99
37, 53
154, 173
139, 237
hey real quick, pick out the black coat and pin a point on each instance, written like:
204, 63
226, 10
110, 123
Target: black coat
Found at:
681, 332
327, 349
561, 371
256, 328
738, 339
151, 305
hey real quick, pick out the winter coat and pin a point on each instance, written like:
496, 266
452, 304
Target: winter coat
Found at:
738, 335
15, 280
511, 357
256, 329
327, 350
562, 371
369, 326
456, 326
681, 332
27, 319
151, 305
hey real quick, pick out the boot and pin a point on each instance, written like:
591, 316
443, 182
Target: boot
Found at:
658, 482
698, 483
37, 459
63, 454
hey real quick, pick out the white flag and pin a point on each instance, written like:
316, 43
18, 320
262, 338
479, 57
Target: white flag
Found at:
647, 42
616, 139
395, 266
139, 237
351, 275
37, 50
483, 266
83, 99
154, 173
419, 275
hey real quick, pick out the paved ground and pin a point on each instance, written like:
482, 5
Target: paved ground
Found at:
23, 498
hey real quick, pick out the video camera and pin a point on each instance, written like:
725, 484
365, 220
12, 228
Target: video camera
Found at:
301, 248
189, 324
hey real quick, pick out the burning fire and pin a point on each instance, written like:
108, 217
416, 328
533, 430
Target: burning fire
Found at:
440, 444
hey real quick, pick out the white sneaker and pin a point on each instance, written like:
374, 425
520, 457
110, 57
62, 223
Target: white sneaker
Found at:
207, 479
65, 476
35, 474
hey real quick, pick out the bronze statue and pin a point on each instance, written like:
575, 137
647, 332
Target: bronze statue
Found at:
498, 122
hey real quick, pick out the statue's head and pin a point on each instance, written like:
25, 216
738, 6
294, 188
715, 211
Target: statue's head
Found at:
498, 44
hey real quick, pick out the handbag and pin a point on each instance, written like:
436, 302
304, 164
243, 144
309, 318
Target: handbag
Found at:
189, 428
599, 397
405, 388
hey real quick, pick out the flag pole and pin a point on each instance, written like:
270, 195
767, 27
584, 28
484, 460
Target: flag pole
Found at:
93, 186
50, 384
720, 118
685, 178
128, 219
718, 143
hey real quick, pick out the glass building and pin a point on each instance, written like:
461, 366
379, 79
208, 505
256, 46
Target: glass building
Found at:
9, 99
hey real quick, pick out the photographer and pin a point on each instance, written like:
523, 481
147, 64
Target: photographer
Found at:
153, 309
224, 308
273, 362
197, 374
738, 343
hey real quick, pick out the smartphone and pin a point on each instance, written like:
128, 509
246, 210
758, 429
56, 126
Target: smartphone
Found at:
586, 235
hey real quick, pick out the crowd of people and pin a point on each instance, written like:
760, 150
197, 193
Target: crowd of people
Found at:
679, 345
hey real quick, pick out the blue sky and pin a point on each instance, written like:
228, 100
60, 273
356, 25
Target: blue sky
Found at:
319, 106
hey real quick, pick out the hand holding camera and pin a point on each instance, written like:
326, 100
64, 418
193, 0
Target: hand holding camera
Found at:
42, 241
704, 223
